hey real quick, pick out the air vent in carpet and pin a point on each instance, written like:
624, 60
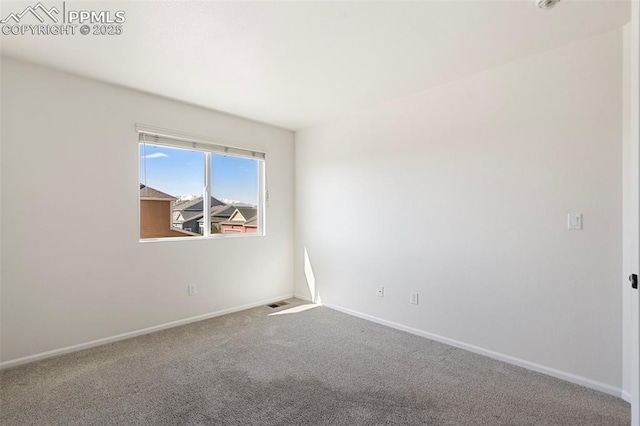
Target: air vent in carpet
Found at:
277, 304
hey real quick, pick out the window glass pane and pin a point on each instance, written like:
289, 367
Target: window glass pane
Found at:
171, 192
234, 182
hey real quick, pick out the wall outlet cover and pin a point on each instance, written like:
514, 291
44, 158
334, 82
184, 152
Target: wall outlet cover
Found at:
574, 221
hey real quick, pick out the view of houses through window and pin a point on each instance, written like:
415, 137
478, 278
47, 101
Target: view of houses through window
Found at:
173, 193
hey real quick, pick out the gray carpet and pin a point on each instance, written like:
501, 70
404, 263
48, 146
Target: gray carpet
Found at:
316, 367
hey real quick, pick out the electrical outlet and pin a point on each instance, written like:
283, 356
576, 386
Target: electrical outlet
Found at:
414, 298
380, 291
192, 290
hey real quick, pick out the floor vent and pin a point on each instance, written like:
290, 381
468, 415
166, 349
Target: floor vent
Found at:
277, 304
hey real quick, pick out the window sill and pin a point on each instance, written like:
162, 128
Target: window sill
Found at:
201, 238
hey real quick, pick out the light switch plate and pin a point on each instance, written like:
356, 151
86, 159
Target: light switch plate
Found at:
574, 221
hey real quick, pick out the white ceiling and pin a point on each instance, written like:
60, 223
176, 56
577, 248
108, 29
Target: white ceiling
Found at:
296, 64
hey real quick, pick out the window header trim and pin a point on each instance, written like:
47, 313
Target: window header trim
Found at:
154, 135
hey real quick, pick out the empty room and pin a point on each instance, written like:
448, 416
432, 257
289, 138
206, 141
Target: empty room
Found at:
320, 212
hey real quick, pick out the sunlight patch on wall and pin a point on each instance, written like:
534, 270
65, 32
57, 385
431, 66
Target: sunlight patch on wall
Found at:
311, 279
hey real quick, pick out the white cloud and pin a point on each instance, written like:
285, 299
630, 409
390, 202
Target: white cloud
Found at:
155, 155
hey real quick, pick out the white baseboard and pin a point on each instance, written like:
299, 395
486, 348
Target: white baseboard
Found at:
74, 348
578, 380
582, 381
301, 297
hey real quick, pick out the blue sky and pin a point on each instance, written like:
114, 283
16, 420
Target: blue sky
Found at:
181, 172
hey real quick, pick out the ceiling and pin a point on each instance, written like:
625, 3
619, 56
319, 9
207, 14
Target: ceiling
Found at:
298, 63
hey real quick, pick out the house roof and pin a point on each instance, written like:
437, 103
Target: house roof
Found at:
187, 216
218, 214
222, 211
192, 209
196, 205
252, 222
152, 193
243, 215
185, 204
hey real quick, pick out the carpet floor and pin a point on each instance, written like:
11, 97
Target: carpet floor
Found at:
293, 365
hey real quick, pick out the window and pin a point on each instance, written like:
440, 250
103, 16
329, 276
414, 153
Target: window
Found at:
178, 174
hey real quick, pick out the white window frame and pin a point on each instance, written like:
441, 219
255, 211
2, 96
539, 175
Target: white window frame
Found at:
172, 139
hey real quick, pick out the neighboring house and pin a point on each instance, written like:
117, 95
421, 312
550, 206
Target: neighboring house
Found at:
242, 220
156, 215
187, 215
184, 213
218, 215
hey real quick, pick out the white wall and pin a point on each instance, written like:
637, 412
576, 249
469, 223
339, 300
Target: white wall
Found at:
462, 192
73, 269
